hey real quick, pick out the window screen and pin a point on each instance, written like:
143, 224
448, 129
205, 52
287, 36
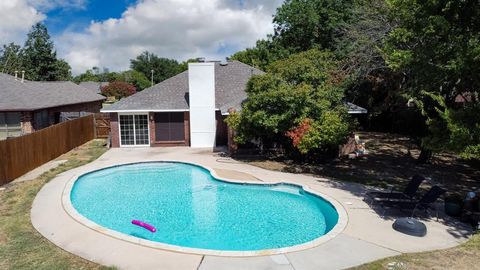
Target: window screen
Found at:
169, 126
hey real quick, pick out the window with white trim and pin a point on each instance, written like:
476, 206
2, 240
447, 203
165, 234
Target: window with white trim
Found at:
134, 129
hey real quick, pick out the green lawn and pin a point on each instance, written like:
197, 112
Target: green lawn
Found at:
21, 246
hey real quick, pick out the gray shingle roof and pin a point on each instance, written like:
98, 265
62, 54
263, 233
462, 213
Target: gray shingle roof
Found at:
172, 93
30, 95
94, 87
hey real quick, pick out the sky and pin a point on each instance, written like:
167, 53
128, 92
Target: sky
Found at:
108, 33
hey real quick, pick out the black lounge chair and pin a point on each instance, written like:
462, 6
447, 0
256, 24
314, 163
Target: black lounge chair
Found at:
423, 204
407, 194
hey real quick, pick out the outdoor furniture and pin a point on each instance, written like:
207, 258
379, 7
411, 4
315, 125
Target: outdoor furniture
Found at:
424, 203
408, 193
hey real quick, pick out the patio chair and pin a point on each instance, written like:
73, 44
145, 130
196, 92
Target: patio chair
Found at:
425, 203
408, 193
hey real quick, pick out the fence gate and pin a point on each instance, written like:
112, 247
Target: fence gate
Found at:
102, 125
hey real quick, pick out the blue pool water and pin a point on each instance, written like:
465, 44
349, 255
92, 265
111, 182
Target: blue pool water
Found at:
190, 208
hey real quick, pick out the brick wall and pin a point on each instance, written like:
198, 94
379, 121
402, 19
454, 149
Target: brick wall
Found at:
186, 122
114, 130
26, 122
151, 123
92, 107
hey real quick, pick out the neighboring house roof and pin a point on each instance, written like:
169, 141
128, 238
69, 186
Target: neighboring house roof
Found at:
94, 87
355, 109
172, 94
30, 95
465, 97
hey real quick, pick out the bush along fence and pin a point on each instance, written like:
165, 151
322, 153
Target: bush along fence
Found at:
22, 154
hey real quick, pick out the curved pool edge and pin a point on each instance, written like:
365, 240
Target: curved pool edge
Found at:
336, 230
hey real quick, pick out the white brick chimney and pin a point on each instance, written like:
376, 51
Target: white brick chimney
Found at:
201, 87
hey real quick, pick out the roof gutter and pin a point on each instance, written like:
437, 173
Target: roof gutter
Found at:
47, 107
142, 110
106, 110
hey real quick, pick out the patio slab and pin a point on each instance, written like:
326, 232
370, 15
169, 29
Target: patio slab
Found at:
367, 236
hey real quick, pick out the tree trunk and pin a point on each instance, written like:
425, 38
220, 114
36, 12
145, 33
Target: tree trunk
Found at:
425, 156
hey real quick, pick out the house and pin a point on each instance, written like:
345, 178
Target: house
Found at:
188, 109
94, 87
28, 106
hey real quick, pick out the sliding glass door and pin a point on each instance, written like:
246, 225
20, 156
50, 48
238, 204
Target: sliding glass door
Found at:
134, 130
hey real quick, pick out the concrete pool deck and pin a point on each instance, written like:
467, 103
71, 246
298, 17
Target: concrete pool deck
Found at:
367, 236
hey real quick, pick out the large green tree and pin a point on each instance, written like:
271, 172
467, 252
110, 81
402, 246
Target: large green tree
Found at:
437, 46
163, 68
40, 58
297, 104
304, 24
300, 25
265, 52
11, 58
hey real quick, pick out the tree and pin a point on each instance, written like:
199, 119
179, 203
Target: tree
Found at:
11, 58
456, 130
61, 70
300, 25
305, 24
118, 89
263, 54
304, 92
363, 37
437, 46
40, 59
135, 78
87, 76
163, 68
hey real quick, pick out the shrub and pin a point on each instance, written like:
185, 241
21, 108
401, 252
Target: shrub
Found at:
298, 106
118, 89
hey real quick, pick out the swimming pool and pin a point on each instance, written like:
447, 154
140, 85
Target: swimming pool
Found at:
192, 209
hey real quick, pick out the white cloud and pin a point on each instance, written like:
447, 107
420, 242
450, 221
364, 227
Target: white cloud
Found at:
17, 16
179, 29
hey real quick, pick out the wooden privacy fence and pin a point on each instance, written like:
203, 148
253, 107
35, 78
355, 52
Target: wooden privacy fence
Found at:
22, 154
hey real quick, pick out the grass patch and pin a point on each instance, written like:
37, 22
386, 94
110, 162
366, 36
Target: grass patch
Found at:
21, 246
462, 257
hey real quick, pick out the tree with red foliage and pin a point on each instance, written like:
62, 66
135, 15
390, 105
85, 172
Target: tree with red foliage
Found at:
297, 134
118, 89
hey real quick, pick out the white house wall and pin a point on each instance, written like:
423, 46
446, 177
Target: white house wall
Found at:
201, 84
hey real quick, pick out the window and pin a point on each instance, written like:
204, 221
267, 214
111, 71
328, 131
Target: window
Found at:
169, 127
10, 125
40, 119
134, 129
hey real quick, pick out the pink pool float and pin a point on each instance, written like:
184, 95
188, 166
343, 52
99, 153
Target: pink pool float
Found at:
144, 225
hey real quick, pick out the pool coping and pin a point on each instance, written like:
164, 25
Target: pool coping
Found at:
336, 230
